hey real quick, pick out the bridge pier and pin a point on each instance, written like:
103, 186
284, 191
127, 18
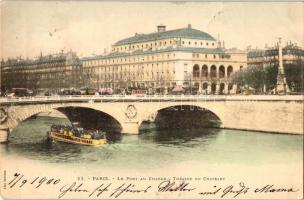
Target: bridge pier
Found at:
4, 132
130, 128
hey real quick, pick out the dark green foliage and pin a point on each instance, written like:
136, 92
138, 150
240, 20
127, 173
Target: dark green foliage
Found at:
295, 76
252, 76
271, 73
256, 77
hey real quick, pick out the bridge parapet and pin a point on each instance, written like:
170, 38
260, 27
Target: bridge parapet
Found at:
127, 98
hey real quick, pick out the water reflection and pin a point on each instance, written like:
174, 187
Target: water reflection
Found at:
186, 116
179, 136
155, 148
113, 137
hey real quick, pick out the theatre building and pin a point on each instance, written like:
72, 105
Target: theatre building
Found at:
160, 61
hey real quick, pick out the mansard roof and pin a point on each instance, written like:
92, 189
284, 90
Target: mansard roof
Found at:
41, 60
150, 51
293, 50
188, 33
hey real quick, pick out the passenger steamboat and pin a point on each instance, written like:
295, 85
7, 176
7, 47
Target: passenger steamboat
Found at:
76, 135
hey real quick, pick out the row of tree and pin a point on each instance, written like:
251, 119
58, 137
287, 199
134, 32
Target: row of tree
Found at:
261, 78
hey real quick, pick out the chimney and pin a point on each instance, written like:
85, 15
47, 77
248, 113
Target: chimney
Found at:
189, 26
219, 45
161, 28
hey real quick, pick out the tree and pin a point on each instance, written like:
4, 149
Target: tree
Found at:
271, 73
252, 76
295, 76
257, 77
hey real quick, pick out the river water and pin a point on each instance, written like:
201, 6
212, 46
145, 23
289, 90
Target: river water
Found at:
152, 149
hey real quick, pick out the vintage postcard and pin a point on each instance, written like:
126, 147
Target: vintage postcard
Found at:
151, 100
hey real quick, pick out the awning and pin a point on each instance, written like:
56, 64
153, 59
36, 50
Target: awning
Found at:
177, 88
106, 90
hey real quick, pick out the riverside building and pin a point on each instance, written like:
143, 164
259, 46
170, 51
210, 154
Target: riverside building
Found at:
161, 61
50, 72
288, 59
270, 55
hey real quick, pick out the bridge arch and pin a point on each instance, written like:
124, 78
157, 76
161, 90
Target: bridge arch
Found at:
234, 112
90, 118
183, 115
20, 113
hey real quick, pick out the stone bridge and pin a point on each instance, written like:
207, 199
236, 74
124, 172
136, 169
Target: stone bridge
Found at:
281, 114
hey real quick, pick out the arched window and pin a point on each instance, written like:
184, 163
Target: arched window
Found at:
222, 88
222, 71
213, 88
229, 70
205, 71
205, 86
213, 71
230, 85
196, 71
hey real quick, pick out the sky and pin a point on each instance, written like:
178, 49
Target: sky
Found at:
90, 27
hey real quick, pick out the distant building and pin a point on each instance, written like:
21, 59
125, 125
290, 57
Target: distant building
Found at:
270, 55
290, 66
161, 60
53, 72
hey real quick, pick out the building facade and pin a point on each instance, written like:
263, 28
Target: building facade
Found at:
270, 55
159, 61
288, 60
50, 72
